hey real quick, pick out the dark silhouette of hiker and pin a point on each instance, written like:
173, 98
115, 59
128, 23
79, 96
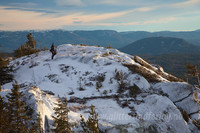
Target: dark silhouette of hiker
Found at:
53, 51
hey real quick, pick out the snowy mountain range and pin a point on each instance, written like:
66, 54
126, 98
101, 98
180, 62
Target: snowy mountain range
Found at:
129, 94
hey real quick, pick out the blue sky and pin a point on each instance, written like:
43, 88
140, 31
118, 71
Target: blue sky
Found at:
120, 15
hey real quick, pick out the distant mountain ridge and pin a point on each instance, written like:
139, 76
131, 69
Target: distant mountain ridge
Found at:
11, 40
160, 45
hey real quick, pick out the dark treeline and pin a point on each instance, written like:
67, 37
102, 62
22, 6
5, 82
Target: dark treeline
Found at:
175, 63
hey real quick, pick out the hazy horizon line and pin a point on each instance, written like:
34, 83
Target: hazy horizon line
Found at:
36, 30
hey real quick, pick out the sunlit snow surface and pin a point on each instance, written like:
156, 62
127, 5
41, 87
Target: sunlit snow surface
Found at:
79, 66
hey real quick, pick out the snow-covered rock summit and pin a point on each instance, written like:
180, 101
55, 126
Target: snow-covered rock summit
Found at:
129, 94
74, 67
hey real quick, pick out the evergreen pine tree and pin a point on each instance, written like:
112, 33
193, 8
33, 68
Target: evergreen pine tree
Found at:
17, 111
37, 127
5, 71
28, 48
31, 42
192, 70
4, 123
61, 119
91, 125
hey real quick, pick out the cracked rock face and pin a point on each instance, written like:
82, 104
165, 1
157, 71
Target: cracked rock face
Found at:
129, 94
181, 94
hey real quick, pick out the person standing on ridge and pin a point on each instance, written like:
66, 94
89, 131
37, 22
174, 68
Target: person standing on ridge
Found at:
53, 51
